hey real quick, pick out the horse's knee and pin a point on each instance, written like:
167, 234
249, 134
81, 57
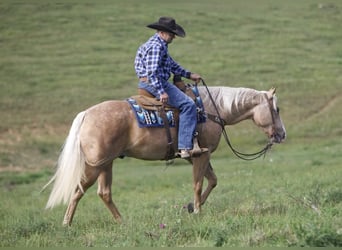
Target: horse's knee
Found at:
213, 183
198, 188
105, 196
212, 178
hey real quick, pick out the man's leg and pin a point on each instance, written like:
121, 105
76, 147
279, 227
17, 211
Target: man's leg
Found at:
187, 116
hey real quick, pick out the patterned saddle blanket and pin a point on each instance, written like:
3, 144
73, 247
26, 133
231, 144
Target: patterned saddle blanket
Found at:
147, 110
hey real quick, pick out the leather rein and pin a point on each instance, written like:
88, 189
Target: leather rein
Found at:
217, 119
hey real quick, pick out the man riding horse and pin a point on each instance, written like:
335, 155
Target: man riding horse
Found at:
105, 131
154, 65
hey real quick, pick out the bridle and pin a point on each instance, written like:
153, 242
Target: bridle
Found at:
217, 118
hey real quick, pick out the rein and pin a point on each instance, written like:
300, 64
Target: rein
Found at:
219, 120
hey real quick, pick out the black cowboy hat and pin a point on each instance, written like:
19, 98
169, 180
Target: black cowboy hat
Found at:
168, 24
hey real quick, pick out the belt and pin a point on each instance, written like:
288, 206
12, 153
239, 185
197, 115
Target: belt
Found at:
143, 79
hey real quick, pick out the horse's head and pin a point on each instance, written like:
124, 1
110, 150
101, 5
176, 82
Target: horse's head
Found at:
266, 115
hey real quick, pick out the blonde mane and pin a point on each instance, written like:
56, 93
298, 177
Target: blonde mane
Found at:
232, 100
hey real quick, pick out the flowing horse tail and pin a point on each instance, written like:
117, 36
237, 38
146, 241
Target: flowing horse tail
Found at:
70, 167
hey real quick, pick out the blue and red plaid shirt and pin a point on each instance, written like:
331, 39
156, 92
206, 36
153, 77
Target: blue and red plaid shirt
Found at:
154, 62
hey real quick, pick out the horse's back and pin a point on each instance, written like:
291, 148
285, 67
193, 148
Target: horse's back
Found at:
110, 107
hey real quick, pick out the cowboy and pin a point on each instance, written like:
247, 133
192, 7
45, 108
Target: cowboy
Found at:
154, 65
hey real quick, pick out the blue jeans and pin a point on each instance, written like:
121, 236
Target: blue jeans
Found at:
187, 112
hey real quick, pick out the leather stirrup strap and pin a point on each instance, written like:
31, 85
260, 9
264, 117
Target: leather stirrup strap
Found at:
170, 152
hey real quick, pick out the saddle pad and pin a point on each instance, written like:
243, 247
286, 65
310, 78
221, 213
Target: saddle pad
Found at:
150, 118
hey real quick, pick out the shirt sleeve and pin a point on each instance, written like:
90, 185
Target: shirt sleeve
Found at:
152, 67
179, 70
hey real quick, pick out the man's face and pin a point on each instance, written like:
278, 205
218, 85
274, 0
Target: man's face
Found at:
167, 36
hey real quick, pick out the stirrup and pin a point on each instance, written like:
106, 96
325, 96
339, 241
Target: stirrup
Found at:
197, 151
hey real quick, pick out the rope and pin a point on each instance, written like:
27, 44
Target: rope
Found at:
243, 156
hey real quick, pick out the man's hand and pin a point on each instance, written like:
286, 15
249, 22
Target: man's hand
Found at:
164, 98
195, 77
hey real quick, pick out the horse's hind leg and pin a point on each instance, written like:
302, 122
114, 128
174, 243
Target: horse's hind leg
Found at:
105, 192
91, 176
69, 214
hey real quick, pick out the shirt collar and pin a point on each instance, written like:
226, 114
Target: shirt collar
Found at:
156, 35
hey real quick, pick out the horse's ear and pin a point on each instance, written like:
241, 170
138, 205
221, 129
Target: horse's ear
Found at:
272, 91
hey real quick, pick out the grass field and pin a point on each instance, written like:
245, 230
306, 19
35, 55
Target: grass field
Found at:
59, 59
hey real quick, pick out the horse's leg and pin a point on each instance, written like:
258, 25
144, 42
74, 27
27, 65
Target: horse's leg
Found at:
199, 169
69, 214
212, 182
105, 192
91, 176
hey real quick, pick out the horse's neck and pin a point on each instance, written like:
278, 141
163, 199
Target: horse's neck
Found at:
233, 104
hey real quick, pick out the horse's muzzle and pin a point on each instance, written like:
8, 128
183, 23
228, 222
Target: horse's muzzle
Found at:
278, 138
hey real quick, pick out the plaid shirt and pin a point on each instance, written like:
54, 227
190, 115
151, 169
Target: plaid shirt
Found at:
154, 62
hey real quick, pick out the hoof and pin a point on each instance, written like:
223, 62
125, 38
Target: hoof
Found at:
66, 224
190, 208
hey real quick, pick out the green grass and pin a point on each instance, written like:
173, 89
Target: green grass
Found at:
257, 204
59, 59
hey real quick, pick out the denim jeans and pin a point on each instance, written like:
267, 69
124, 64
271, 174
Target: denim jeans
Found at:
187, 112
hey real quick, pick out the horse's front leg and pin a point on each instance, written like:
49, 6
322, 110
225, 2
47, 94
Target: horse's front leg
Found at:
199, 166
212, 182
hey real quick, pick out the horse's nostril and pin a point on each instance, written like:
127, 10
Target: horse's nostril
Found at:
284, 136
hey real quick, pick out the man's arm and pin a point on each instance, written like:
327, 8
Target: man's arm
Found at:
179, 70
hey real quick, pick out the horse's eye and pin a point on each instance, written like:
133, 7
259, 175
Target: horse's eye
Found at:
278, 110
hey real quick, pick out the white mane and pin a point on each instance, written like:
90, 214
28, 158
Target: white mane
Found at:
232, 100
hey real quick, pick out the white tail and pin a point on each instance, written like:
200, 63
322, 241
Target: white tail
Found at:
70, 167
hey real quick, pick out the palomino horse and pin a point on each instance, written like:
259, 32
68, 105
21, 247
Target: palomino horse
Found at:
108, 130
